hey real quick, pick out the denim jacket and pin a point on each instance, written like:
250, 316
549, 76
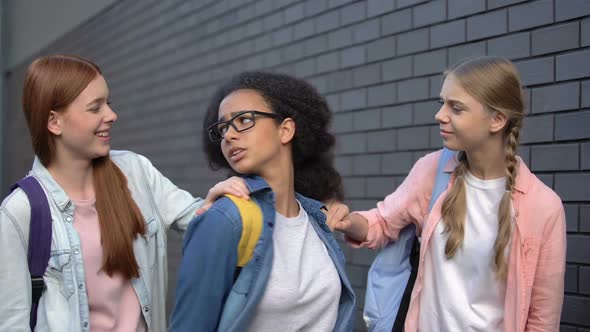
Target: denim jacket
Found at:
208, 299
64, 304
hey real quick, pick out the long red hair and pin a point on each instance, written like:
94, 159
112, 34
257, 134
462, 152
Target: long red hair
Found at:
52, 83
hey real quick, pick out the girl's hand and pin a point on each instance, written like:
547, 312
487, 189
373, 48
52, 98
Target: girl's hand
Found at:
234, 186
337, 216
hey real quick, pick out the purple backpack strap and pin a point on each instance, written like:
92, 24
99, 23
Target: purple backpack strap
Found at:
39, 239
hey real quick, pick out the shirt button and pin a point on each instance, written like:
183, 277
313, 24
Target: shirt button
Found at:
80, 286
68, 218
76, 251
146, 308
85, 324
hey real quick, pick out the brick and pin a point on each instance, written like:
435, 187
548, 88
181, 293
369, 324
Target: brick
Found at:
575, 310
424, 112
565, 328
337, 3
382, 141
525, 153
351, 143
272, 58
294, 13
353, 99
430, 12
573, 187
460, 8
406, 3
343, 164
512, 46
397, 68
397, 21
353, 56
366, 164
530, 14
396, 116
410, 90
430, 63
466, 51
366, 120
273, 21
572, 216
315, 7
292, 52
586, 94
572, 126
558, 97
571, 278
573, 65
356, 275
435, 139
380, 49
585, 155
382, 94
305, 68
366, 75
585, 32
412, 42
303, 29
327, 21
340, 38
353, 13
493, 4
332, 100
316, 45
253, 28
365, 31
328, 62
584, 280
585, 218
378, 7
447, 34
379, 187
436, 83
341, 122
537, 129
487, 25
536, 71
354, 186
340, 80
547, 179
556, 38
561, 157
413, 138
398, 163
568, 9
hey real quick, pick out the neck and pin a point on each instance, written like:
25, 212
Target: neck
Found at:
74, 176
281, 180
487, 162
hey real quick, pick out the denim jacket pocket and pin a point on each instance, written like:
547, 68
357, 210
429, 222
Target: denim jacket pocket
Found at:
59, 270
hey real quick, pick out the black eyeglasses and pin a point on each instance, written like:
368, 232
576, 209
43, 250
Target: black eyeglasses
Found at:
244, 120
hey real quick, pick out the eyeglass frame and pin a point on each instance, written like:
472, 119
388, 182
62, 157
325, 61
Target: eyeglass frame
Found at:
230, 122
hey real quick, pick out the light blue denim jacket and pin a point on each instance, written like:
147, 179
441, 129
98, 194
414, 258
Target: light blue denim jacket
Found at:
208, 299
64, 304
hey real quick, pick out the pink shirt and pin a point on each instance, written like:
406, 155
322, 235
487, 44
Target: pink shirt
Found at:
536, 263
112, 302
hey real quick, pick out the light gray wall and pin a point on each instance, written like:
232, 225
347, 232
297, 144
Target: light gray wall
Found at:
33, 24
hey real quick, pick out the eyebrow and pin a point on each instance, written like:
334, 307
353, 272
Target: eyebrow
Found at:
232, 114
454, 101
97, 101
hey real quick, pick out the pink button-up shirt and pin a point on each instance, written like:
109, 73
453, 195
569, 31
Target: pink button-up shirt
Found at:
536, 263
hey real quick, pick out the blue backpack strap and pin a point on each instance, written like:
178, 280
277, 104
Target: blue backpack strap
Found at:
39, 239
442, 178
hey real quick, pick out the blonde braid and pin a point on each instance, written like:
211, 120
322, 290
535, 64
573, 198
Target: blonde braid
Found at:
454, 209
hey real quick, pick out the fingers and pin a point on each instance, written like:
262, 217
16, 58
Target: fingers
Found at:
203, 208
238, 187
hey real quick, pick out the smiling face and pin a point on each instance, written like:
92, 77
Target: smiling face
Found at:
465, 123
82, 129
254, 150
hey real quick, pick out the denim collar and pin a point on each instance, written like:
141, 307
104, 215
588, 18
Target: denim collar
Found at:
53, 189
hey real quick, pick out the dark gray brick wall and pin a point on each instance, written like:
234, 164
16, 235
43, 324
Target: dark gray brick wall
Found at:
378, 62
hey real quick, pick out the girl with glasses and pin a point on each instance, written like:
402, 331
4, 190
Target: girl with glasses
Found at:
271, 129
110, 212
493, 246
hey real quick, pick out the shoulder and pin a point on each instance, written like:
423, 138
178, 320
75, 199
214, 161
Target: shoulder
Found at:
16, 210
542, 198
223, 216
126, 160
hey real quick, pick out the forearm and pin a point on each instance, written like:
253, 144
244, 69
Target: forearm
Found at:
359, 227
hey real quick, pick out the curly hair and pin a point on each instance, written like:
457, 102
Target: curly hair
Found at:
289, 97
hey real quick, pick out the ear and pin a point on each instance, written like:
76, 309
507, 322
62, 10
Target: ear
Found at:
498, 122
54, 123
287, 130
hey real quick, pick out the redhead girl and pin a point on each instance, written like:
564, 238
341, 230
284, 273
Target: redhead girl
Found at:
493, 247
110, 212
273, 130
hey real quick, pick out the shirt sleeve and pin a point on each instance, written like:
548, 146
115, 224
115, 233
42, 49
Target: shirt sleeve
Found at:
206, 271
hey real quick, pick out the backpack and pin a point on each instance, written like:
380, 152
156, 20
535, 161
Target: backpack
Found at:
40, 235
393, 272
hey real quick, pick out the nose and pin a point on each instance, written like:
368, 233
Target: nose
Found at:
441, 115
231, 133
111, 116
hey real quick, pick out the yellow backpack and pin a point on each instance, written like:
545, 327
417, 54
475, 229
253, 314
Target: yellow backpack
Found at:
251, 215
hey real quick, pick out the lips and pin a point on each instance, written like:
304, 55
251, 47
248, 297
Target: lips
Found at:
236, 154
104, 135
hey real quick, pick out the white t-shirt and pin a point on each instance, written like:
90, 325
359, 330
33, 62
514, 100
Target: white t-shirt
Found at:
463, 293
303, 289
